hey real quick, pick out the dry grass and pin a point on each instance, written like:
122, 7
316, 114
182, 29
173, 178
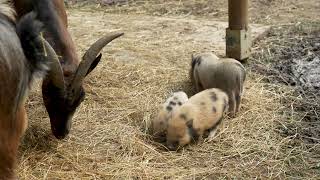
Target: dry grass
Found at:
261, 11
276, 59
109, 137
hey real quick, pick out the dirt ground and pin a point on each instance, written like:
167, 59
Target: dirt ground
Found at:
275, 135
261, 11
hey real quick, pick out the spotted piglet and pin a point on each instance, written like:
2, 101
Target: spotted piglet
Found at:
209, 71
159, 124
201, 114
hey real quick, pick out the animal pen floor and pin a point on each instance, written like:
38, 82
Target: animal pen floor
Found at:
109, 137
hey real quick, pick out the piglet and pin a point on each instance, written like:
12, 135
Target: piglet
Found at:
209, 71
159, 124
202, 113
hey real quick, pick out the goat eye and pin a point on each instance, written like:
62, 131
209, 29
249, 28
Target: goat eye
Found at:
82, 95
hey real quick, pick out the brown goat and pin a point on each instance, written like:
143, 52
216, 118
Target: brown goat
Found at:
62, 89
21, 58
209, 71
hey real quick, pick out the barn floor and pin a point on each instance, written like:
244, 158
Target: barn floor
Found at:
109, 137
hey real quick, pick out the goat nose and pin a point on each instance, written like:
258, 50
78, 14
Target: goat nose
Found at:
60, 134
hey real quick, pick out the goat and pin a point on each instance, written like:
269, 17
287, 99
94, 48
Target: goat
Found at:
209, 71
202, 113
159, 124
22, 57
62, 89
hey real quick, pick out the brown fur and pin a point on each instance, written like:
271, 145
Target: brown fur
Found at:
12, 79
200, 113
159, 123
225, 73
16, 72
12, 127
58, 35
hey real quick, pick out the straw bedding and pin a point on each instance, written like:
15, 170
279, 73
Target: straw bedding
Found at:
109, 138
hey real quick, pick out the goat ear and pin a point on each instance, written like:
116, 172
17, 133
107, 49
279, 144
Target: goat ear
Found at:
190, 124
94, 64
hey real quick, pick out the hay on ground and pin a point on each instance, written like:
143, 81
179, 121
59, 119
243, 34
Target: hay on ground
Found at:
109, 140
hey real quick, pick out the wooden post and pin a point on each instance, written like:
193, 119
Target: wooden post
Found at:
238, 34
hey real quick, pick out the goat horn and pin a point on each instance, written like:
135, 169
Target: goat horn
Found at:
90, 57
55, 73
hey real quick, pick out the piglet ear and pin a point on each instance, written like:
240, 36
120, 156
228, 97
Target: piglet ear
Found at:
190, 124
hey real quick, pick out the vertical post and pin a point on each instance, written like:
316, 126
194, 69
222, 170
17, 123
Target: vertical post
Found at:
238, 34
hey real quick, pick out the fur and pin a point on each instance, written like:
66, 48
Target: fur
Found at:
28, 30
225, 73
47, 14
54, 17
199, 114
7, 10
16, 72
159, 124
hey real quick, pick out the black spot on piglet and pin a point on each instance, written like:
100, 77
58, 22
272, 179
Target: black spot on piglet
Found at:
169, 108
199, 61
214, 109
195, 61
172, 103
214, 96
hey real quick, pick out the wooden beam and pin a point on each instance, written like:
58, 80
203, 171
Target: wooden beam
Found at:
238, 14
238, 34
